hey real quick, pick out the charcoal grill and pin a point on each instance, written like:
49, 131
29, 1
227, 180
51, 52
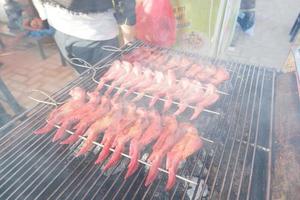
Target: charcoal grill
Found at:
235, 162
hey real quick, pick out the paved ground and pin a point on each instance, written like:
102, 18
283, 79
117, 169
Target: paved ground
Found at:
269, 45
24, 71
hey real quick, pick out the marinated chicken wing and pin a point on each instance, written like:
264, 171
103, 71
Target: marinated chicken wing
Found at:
77, 100
112, 132
99, 127
168, 138
84, 123
74, 116
186, 146
139, 143
136, 130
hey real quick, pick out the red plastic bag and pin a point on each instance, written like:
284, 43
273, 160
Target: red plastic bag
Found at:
156, 22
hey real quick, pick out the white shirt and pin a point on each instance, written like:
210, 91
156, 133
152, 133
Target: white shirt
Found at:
92, 26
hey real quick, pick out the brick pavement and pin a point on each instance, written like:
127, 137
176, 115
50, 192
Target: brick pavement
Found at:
24, 71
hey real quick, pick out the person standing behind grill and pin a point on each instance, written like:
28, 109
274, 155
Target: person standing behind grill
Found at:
83, 27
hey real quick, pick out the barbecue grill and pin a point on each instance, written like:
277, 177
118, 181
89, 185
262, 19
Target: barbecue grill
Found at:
235, 162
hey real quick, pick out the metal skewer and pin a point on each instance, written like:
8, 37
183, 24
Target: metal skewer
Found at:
164, 100
127, 156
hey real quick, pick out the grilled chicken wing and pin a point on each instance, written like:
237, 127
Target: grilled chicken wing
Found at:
86, 121
139, 143
193, 94
74, 116
133, 78
116, 70
100, 126
136, 130
127, 67
220, 76
186, 146
113, 131
143, 82
209, 98
77, 100
168, 85
155, 86
167, 139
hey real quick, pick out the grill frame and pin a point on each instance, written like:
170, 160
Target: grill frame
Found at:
38, 114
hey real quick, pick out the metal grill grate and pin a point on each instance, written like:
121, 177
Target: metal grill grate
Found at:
235, 165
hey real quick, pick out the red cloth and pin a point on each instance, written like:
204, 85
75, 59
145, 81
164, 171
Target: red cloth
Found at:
156, 22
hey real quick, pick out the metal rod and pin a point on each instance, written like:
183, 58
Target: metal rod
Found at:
14, 120
184, 171
20, 161
19, 129
16, 146
236, 157
199, 179
149, 187
269, 177
247, 147
78, 183
248, 143
206, 157
137, 191
237, 107
174, 102
135, 176
66, 178
85, 183
131, 185
103, 182
256, 136
24, 173
49, 169
231, 113
113, 184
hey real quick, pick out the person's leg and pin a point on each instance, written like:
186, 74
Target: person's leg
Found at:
72, 47
87, 50
99, 54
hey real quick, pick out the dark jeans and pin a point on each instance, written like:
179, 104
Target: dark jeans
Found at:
88, 50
